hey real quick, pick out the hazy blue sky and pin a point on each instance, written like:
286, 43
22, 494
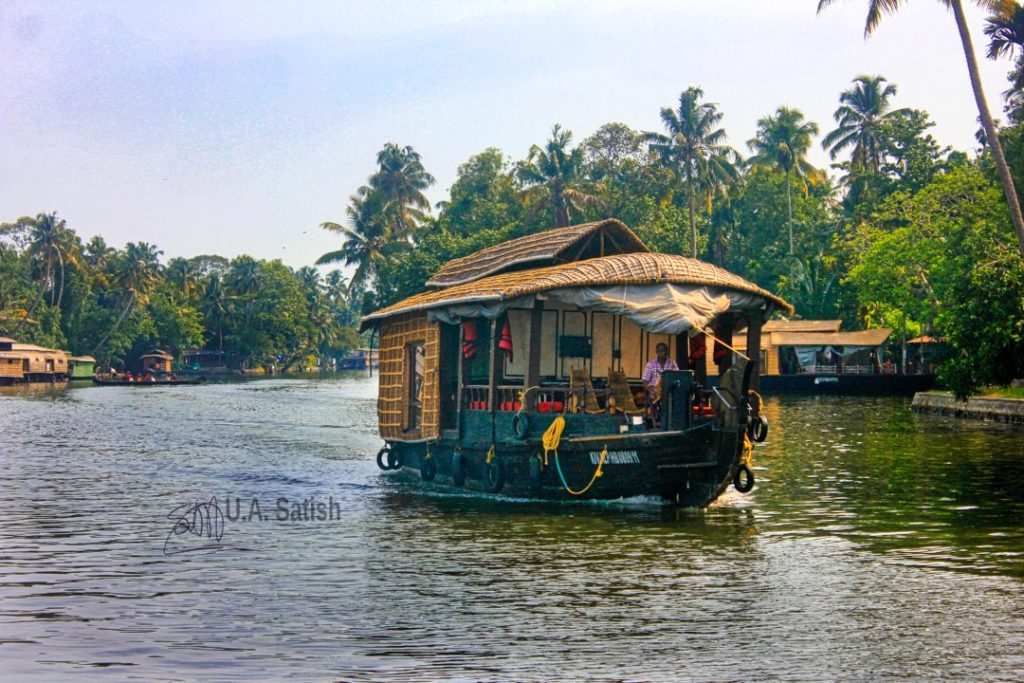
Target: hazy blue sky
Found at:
231, 127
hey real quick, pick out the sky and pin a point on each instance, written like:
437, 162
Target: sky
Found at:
239, 127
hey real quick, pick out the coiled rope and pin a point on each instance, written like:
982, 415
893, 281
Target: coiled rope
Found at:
552, 438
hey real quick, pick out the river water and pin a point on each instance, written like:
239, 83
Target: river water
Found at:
878, 545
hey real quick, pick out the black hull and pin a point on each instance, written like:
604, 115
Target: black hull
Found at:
157, 383
690, 470
848, 385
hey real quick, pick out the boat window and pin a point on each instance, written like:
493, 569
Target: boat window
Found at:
414, 368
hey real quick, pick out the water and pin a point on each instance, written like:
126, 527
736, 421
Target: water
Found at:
878, 545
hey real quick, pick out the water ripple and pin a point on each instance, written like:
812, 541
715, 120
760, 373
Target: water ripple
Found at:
874, 542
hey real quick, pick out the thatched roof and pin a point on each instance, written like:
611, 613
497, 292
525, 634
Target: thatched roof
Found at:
620, 269
561, 245
874, 337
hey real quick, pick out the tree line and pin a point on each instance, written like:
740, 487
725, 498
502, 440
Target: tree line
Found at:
115, 304
900, 232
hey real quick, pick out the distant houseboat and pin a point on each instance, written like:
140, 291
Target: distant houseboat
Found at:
360, 359
31, 363
81, 367
206, 361
815, 356
157, 362
519, 373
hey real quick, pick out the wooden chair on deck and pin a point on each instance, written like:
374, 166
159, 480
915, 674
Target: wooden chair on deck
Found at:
622, 400
580, 386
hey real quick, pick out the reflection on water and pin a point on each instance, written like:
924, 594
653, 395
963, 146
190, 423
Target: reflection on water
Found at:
878, 545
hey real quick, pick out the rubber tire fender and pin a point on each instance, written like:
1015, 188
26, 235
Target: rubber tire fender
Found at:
758, 429
394, 460
521, 426
383, 456
428, 468
738, 483
458, 469
494, 476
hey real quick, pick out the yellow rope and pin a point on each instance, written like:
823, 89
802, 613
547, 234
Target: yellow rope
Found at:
552, 438
748, 449
490, 454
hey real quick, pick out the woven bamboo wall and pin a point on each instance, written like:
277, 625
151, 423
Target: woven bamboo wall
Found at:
396, 336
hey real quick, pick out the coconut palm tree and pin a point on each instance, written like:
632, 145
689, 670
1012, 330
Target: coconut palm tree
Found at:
214, 306
555, 179
136, 272
337, 286
781, 142
47, 239
369, 241
876, 8
400, 180
695, 150
183, 273
862, 113
1005, 30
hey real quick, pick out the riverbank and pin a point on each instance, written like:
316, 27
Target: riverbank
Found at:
997, 408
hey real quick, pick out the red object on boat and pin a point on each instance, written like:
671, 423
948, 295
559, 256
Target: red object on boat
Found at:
697, 349
550, 406
469, 345
505, 344
510, 405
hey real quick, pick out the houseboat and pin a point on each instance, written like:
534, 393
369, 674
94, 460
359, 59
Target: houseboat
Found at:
81, 367
360, 359
816, 356
157, 361
207, 361
520, 372
30, 363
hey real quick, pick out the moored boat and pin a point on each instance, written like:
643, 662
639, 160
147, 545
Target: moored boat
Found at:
111, 382
520, 372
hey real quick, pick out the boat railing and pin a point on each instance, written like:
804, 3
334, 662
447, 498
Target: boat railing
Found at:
547, 398
818, 370
846, 370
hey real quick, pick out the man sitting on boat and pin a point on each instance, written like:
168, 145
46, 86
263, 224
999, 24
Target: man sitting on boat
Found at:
652, 379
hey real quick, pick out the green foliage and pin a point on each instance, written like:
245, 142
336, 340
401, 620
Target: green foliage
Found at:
116, 304
484, 196
944, 258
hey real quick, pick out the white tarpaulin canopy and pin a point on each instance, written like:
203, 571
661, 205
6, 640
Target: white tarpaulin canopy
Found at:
661, 309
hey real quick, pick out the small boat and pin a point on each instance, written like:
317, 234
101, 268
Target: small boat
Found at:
107, 382
520, 373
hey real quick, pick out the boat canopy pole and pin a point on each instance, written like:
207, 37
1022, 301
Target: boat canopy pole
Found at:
492, 381
754, 349
725, 327
532, 377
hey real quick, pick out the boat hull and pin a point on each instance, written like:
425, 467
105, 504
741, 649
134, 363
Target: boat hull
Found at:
156, 383
687, 468
846, 385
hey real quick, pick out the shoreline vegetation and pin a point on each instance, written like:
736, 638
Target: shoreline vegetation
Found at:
900, 232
